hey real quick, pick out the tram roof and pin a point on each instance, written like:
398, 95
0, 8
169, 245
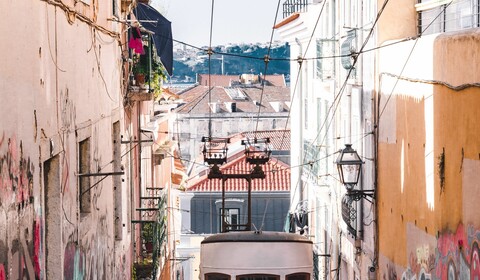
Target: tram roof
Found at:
252, 236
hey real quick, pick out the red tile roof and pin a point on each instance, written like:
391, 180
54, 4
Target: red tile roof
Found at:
287, 20
197, 99
277, 178
279, 139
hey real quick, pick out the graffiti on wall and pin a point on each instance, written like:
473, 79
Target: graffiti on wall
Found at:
16, 175
455, 257
21, 228
458, 254
92, 259
74, 262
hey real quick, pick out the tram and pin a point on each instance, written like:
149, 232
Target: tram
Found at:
254, 255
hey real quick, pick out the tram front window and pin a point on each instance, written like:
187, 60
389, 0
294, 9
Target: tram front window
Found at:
258, 277
298, 276
216, 276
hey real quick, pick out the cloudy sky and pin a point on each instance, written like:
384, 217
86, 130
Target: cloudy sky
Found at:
246, 21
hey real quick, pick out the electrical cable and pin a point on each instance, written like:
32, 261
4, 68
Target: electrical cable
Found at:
266, 60
210, 53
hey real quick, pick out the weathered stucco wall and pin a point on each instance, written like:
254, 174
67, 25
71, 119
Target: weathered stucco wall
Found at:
60, 83
429, 147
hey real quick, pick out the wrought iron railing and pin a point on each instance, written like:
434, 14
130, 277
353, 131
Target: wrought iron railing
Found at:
294, 6
443, 16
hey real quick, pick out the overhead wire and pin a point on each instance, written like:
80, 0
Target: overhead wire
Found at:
338, 97
264, 78
287, 59
210, 53
300, 61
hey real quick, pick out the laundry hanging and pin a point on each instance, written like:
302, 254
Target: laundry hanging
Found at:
135, 41
155, 22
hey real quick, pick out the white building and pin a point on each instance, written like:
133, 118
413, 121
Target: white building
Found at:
331, 93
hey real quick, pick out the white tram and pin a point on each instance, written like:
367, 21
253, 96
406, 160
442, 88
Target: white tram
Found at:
251, 255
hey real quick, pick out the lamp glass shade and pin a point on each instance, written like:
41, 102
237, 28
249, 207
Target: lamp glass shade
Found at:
350, 173
349, 166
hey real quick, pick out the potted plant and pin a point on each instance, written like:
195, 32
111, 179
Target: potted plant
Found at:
148, 231
158, 76
140, 69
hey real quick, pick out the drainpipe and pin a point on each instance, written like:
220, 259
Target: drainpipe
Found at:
139, 167
360, 39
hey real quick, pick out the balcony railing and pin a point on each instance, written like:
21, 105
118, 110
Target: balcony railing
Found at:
294, 6
440, 16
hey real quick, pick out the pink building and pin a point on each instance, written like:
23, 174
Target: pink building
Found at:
74, 156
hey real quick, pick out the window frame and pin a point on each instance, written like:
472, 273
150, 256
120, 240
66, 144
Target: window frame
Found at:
215, 274
84, 182
275, 276
305, 274
228, 218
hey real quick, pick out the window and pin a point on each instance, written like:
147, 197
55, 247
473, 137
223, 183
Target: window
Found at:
115, 8
325, 64
258, 277
312, 156
232, 218
436, 18
85, 198
298, 276
216, 276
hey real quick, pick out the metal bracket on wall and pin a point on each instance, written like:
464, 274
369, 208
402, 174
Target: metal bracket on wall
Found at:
104, 174
101, 174
135, 141
356, 195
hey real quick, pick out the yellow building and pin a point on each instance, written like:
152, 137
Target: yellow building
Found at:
428, 140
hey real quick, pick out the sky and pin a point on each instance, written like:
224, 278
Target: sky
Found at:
245, 21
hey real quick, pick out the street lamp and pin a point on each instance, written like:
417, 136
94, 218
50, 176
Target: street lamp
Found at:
349, 167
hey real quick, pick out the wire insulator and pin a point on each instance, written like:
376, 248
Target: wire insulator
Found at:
210, 51
300, 60
266, 58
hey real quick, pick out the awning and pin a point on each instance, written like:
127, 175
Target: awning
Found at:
153, 21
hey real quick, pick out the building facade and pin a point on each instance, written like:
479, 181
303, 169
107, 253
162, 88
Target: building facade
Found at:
61, 122
72, 162
233, 105
428, 143
394, 72
331, 97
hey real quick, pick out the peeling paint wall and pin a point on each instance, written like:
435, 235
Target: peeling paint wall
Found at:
429, 159
61, 83
21, 226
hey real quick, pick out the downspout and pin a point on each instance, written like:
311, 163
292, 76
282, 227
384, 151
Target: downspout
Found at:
139, 165
362, 120
376, 130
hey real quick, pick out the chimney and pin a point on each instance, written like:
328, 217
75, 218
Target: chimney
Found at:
214, 107
277, 106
